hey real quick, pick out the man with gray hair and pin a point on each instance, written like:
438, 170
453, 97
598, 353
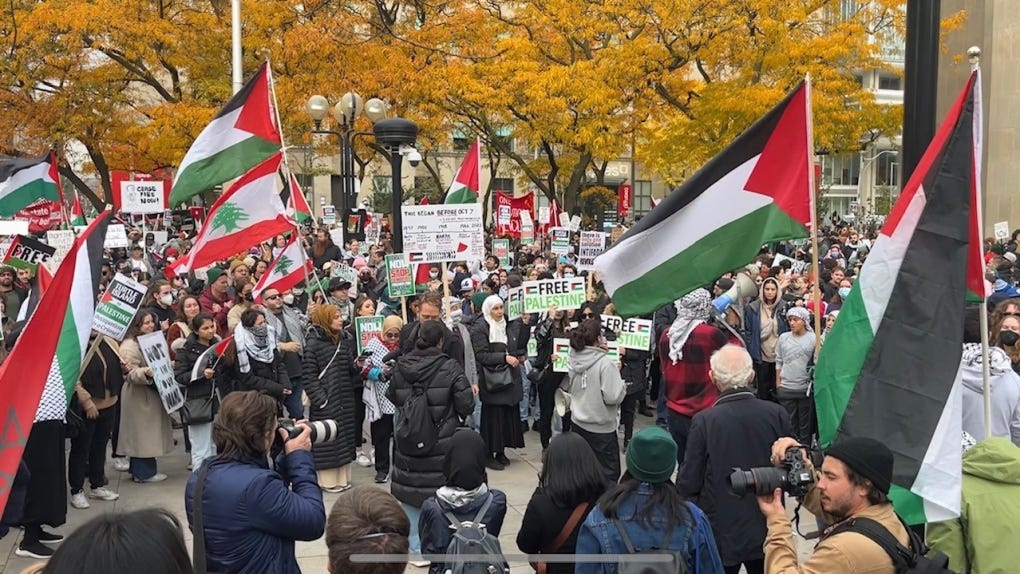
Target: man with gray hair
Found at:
736, 432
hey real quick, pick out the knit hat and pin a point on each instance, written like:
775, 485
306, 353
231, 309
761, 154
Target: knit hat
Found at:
867, 457
478, 299
212, 274
651, 455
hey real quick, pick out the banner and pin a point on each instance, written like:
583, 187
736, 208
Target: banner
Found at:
560, 240
566, 294
442, 233
501, 250
117, 306
624, 198
41, 215
398, 276
157, 357
514, 303
561, 354
630, 333
366, 329
28, 253
508, 212
591, 245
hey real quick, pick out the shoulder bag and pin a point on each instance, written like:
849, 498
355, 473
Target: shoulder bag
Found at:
568, 529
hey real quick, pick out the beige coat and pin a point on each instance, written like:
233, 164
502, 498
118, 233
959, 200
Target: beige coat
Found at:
145, 430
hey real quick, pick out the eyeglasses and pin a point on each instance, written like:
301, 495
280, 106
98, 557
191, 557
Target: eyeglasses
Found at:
392, 336
271, 297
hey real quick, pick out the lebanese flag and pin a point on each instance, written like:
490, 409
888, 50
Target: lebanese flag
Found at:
756, 191
287, 270
890, 369
38, 377
248, 213
464, 188
240, 137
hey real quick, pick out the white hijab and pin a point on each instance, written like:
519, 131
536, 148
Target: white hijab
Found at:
497, 329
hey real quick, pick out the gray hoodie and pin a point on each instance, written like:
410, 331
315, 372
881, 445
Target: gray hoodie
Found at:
596, 390
1005, 387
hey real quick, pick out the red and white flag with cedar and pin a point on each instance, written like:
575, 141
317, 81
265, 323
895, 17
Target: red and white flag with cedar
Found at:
289, 268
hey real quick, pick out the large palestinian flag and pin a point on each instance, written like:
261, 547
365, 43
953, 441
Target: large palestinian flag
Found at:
464, 188
289, 268
249, 212
887, 369
24, 181
294, 199
241, 136
755, 191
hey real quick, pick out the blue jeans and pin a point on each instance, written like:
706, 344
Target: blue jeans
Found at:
413, 540
292, 402
202, 446
475, 421
660, 408
142, 468
526, 399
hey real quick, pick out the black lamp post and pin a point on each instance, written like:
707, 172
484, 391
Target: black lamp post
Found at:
397, 135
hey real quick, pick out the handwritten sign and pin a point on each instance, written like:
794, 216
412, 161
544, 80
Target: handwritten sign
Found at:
438, 233
157, 356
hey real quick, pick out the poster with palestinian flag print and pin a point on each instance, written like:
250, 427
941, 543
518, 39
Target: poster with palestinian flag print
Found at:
117, 306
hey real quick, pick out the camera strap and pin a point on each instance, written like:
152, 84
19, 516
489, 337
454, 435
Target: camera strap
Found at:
198, 550
796, 524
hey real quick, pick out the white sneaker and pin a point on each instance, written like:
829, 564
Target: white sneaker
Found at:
79, 501
103, 493
364, 460
420, 563
158, 477
121, 464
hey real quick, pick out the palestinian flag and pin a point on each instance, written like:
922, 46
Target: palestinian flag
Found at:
77, 215
887, 369
464, 188
209, 358
241, 136
287, 270
246, 214
755, 191
294, 199
38, 377
24, 181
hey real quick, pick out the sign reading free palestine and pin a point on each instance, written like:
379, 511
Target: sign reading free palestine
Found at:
566, 294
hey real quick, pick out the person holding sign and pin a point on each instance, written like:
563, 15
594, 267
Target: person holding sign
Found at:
554, 326
195, 371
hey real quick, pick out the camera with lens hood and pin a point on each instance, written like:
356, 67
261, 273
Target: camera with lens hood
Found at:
793, 477
321, 431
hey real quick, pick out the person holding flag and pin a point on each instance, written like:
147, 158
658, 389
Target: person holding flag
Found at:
195, 371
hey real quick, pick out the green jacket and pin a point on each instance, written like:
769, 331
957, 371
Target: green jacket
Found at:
984, 539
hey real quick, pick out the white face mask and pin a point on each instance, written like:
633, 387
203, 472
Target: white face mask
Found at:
297, 292
288, 299
167, 299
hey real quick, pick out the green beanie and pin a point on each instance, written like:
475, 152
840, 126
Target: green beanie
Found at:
478, 299
651, 455
212, 274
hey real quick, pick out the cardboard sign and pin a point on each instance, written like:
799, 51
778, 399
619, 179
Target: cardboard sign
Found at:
116, 236
630, 333
157, 357
501, 249
117, 307
514, 303
14, 227
28, 253
366, 329
398, 276
438, 233
592, 244
61, 240
560, 240
141, 197
561, 354
566, 294
1001, 230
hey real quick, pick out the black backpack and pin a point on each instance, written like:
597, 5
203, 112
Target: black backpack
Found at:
666, 561
914, 560
417, 433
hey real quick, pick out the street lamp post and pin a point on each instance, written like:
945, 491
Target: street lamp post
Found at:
397, 135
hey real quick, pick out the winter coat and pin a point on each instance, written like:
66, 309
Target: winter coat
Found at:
542, 523
206, 301
333, 395
449, 398
1005, 387
989, 513
434, 528
271, 378
185, 363
493, 356
331, 253
453, 346
634, 370
252, 515
145, 430
596, 390
752, 326
737, 432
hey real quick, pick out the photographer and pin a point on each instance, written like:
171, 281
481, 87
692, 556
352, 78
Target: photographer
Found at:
246, 516
853, 483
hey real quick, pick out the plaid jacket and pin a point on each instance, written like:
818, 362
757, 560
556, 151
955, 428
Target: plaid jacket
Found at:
688, 388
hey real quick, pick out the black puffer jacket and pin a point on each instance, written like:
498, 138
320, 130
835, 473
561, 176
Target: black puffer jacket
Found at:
270, 378
634, 370
493, 356
185, 362
448, 394
333, 395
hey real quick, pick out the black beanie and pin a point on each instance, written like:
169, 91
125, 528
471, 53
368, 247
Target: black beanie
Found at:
868, 458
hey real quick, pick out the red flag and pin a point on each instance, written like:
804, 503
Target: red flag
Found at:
288, 269
424, 200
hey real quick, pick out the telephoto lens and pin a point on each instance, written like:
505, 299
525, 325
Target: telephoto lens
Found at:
758, 481
320, 431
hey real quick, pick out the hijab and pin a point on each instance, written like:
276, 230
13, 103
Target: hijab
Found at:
322, 316
464, 464
692, 310
497, 330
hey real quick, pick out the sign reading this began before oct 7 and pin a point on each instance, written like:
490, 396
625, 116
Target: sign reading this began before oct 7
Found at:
442, 233
566, 294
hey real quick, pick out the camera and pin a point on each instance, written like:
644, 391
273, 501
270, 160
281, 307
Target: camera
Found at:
321, 431
793, 477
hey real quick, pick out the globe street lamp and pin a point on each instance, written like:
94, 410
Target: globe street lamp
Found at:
397, 136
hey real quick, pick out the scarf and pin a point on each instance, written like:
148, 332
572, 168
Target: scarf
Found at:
257, 343
999, 362
458, 497
287, 325
691, 310
497, 330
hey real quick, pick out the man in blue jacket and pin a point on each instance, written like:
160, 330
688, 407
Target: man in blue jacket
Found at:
251, 514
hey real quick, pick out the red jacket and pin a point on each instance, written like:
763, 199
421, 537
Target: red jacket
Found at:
206, 301
688, 388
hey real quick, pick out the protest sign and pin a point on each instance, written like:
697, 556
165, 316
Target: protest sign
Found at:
543, 214
398, 276
438, 233
117, 306
328, 215
527, 229
796, 266
28, 253
14, 227
566, 294
366, 329
510, 212
532, 344
346, 272
116, 236
61, 241
561, 354
141, 197
560, 240
157, 357
514, 303
592, 244
630, 333
501, 249
1001, 230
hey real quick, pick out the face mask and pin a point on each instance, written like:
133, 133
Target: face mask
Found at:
171, 259
297, 291
1008, 338
844, 292
433, 274
568, 275
259, 330
288, 299
167, 299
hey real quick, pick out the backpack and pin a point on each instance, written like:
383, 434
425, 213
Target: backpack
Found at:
914, 560
417, 433
667, 562
472, 550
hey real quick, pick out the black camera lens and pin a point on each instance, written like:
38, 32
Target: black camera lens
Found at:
758, 481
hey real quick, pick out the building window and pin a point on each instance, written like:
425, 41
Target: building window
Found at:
887, 168
642, 197
889, 82
461, 140
504, 184
843, 169
505, 137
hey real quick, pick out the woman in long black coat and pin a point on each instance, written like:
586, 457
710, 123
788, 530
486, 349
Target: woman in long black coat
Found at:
329, 376
498, 348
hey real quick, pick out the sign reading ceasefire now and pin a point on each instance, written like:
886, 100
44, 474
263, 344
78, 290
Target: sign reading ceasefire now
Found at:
566, 294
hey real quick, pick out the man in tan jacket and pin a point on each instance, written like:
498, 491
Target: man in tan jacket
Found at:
853, 483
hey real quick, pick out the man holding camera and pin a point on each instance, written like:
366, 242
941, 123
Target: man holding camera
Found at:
853, 483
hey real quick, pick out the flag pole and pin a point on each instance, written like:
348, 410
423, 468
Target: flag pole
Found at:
974, 55
816, 292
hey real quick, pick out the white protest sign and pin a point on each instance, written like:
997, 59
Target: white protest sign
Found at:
527, 228
592, 244
575, 223
630, 333
116, 236
61, 240
160, 237
560, 240
438, 233
141, 197
566, 294
796, 266
117, 306
514, 303
16, 227
543, 215
328, 215
561, 354
1001, 230
157, 356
